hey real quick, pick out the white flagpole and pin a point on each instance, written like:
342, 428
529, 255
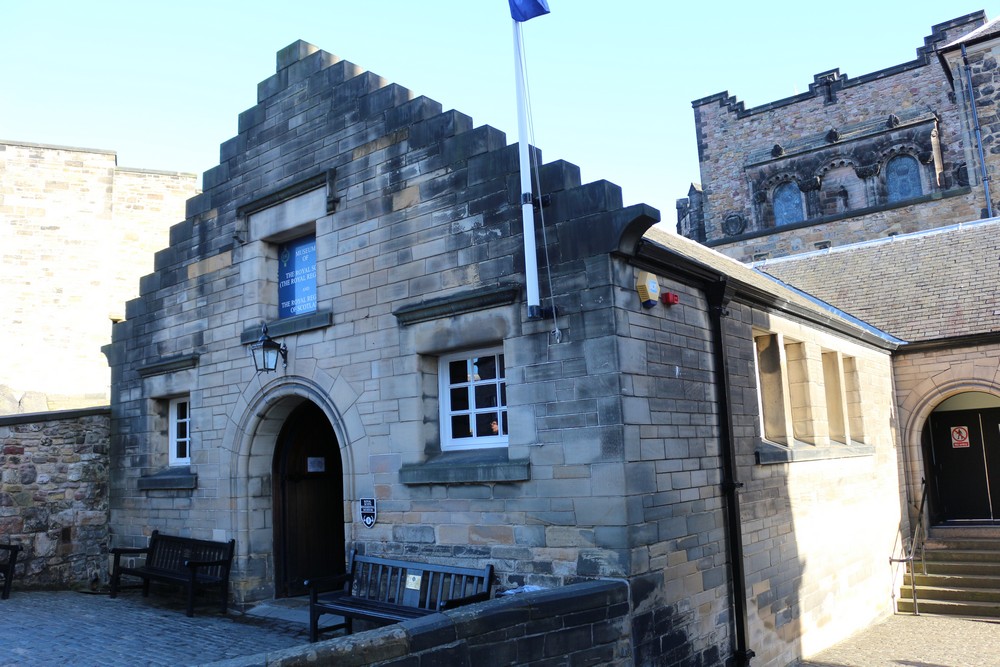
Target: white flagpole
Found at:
527, 208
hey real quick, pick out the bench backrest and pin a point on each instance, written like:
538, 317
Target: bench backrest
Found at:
168, 552
420, 585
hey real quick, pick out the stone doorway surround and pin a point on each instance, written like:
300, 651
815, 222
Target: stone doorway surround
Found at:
253, 430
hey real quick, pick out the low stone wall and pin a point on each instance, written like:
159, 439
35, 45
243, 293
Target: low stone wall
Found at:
580, 624
54, 496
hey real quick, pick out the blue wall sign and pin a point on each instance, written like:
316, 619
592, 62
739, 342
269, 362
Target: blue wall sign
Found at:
297, 277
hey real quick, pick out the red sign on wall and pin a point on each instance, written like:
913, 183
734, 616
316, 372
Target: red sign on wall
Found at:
959, 437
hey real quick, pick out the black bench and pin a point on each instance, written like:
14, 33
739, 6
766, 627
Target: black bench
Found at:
383, 590
194, 564
7, 569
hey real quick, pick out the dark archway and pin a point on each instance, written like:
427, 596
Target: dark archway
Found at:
962, 443
308, 490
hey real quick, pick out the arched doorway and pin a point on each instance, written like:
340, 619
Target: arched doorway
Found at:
308, 487
962, 444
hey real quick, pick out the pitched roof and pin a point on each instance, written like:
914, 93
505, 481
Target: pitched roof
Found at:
789, 297
919, 287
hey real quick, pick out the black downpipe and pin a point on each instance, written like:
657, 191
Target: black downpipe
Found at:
719, 295
979, 133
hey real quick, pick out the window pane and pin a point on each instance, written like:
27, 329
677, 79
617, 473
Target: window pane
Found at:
503, 425
459, 399
460, 426
787, 204
182, 430
486, 368
182, 409
501, 367
503, 394
486, 396
182, 450
487, 423
902, 178
458, 372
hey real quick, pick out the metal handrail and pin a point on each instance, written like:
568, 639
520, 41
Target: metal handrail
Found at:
915, 544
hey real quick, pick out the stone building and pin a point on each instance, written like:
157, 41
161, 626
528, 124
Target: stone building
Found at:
852, 158
944, 302
379, 239
76, 233
874, 194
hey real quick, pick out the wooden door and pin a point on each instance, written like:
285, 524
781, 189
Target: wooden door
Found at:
308, 501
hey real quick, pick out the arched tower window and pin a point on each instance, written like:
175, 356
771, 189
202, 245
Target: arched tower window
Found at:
787, 204
902, 178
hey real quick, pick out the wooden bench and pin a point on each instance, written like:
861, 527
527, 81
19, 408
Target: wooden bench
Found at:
193, 564
384, 590
7, 568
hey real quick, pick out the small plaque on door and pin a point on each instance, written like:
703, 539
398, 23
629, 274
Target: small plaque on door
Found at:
315, 464
413, 582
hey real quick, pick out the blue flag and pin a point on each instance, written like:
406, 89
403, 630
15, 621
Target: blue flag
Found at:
522, 10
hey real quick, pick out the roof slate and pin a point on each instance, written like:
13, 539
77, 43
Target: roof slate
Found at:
751, 277
919, 287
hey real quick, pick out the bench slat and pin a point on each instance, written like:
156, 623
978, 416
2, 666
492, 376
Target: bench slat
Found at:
381, 590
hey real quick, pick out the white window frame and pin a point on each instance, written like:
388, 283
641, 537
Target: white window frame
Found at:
179, 431
478, 440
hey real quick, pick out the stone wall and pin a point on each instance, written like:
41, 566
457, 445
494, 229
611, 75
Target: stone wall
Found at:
54, 496
926, 377
817, 532
76, 234
581, 624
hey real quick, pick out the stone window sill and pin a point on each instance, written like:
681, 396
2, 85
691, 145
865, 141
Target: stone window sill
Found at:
769, 452
171, 478
467, 467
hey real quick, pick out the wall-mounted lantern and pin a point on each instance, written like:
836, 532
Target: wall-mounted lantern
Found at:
266, 351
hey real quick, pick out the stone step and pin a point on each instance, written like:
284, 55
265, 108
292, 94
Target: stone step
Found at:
963, 544
970, 581
952, 594
962, 555
974, 568
946, 608
953, 532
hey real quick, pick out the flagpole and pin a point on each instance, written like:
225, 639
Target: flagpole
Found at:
527, 207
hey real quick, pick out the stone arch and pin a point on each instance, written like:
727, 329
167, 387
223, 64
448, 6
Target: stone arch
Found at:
251, 436
842, 189
915, 410
907, 150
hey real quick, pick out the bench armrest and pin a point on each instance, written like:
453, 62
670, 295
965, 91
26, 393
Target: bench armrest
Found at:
129, 550
317, 585
468, 599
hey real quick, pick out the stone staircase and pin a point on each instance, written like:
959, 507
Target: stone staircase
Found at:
962, 577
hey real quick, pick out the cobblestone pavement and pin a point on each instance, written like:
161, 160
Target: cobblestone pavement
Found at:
73, 629
918, 641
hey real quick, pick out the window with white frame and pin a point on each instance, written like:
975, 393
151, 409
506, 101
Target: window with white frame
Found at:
473, 400
180, 431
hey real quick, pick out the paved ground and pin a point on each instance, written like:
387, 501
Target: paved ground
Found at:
918, 641
72, 629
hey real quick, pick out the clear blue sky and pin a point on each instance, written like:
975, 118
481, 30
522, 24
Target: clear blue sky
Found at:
163, 82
